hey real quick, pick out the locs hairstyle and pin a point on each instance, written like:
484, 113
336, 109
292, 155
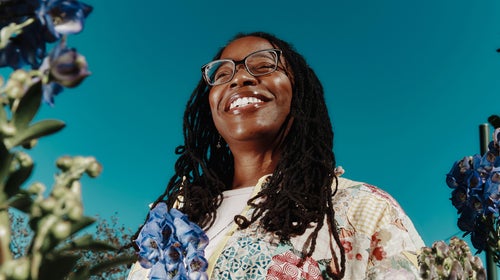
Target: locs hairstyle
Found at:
299, 192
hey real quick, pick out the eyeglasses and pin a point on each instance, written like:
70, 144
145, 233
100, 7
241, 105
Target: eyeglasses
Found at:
258, 63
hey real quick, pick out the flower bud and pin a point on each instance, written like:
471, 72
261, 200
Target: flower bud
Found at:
48, 204
20, 75
24, 159
36, 188
75, 213
68, 68
64, 163
30, 144
58, 191
61, 230
18, 269
7, 129
94, 169
14, 89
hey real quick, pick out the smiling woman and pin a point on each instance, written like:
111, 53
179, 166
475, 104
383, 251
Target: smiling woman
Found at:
257, 172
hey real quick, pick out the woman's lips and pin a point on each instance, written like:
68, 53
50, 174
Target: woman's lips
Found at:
245, 99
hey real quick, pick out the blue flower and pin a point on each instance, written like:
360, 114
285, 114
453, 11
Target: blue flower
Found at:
476, 192
51, 20
49, 91
172, 246
63, 17
25, 48
62, 67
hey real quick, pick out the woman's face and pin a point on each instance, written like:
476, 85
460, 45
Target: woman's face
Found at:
248, 107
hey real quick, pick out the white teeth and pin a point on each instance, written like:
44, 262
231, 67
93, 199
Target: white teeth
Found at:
243, 101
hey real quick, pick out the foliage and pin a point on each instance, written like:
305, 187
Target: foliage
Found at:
454, 261
117, 235
108, 231
55, 217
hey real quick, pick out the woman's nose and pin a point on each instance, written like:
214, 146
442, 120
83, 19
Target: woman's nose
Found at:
242, 77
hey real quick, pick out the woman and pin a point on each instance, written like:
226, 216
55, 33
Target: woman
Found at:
257, 172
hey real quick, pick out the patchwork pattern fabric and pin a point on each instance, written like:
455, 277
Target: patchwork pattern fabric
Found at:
246, 258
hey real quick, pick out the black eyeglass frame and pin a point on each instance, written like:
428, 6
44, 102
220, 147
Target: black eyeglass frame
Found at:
236, 63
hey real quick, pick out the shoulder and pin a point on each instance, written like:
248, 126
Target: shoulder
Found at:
369, 209
365, 207
363, 191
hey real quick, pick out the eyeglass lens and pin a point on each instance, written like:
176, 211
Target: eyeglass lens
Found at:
259, 63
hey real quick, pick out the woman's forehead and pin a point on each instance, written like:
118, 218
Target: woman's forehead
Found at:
241, 47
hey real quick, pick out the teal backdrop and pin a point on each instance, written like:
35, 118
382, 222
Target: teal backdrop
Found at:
407, 84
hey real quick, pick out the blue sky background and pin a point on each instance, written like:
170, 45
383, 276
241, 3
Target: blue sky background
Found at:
407, 84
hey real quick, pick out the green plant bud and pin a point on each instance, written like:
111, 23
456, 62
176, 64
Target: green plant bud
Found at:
36, 188
48, 204
94, 169
58, 192
441, 249
447, 265
64, 162
61, 230
68, 69
14, 89
457, 271
75, 213
76, 190
20, 75
31, 144
18, 269
24, 159
36, 211
7, 129
72, 202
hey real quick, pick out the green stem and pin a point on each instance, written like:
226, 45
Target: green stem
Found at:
5, 253
41, 236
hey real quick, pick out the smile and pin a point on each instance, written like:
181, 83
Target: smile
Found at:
243, 101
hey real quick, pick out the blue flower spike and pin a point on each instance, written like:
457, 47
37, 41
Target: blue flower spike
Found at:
476, 192
43, 21
172, 246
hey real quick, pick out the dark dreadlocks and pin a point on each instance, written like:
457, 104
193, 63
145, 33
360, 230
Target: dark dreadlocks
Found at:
299, 192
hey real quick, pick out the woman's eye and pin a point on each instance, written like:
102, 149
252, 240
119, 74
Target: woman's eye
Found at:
263, 67
222, 74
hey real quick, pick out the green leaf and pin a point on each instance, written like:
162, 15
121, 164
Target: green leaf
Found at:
5, 162
37, 130
105, 265
3, 115
28, 106
21, 201
16, 179
87, 242
81, 224
84, 273
81, 273
58, 266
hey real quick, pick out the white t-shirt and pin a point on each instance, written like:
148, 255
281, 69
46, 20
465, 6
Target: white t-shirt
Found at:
233, 204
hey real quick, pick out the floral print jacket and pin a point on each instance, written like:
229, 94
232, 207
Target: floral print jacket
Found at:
379, 240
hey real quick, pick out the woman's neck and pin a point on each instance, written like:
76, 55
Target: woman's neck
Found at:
250, 167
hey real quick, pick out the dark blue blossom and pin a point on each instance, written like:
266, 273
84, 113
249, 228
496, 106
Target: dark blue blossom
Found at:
49, 91
63, 17
476, 192
62, 67
51, 19
172, 246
